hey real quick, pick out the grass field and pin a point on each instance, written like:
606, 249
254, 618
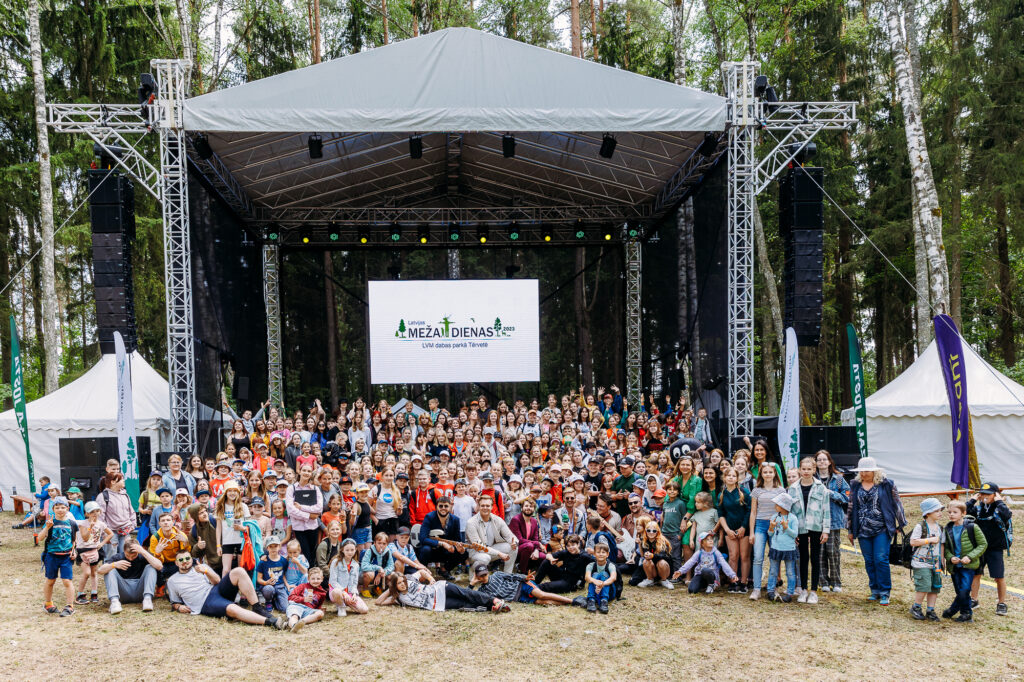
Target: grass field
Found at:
653, 634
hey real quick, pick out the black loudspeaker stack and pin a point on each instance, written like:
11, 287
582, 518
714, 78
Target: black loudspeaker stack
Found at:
112, 215
801, 223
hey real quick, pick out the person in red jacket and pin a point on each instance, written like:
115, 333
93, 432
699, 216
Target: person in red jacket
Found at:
422, 499
526, 528
305, 600
490, 491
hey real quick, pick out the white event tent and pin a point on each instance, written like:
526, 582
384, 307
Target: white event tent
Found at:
910, 434
85, 408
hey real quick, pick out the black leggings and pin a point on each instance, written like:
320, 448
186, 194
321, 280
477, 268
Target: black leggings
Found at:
809, 545
456, 597
308, 541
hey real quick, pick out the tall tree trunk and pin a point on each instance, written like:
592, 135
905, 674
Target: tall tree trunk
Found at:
317, 54
583, 342
384, 16
575, 28
770, 283
716, 39
956, 177
1006, 336
679, 41
6, 247
215, 58
48, 294
920, 163
593, 30
185, 30
922, 307
770, 373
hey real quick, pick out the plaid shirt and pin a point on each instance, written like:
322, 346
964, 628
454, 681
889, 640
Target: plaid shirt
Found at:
817, 517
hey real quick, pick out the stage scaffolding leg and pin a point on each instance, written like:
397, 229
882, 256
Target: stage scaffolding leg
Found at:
739, 78
633, 365
172, 76
272, 299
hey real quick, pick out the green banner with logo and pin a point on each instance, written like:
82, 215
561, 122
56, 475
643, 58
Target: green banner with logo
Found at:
18, 396
857, 389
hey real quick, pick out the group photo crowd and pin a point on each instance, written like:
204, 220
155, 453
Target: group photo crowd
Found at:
570, 501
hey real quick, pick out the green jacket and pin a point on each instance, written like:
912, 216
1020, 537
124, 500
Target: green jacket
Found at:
818, 515
972, 545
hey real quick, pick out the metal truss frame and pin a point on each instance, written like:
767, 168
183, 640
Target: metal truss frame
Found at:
445, 215
272, 300
634, 367
798, 123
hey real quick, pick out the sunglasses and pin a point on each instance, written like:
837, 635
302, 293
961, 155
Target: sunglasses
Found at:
652, 531
184, 560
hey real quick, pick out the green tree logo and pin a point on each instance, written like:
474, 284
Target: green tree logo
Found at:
401, 329
446, 323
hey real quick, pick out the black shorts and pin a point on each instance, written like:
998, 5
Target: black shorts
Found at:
220, 598
389, 526
235, 548
994, 561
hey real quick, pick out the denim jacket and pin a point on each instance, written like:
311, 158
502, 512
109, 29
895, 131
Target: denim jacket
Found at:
839, 492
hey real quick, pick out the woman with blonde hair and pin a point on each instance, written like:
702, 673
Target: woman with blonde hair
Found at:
656, 553
230, 512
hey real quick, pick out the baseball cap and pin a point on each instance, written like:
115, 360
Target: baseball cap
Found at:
182, 491
91, 506
403, 531
282, 482
362, 487
74, 489
487, 476
401, 474
238, 461
660, 492
985, 489
627, 462
272, 540
161, 491
257, 502
270, 474
60, 499
481, 569
223, 463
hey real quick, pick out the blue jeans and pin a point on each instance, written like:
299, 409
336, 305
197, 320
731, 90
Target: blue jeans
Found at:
760, 544
875, 550
962, 579
276, 596
604, 595
773, 575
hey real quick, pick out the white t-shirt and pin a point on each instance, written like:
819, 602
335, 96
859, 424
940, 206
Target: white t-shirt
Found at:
190, 589
926, 556
462, 509
230, 536
383, 503
420, 596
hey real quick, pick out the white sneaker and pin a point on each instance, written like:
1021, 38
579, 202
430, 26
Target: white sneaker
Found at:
826, 588
836, 588
812, 598
802, 599
800, 591
147, 603
711, 588
342, 611
646, 582
115, 607
755, 594
667, 585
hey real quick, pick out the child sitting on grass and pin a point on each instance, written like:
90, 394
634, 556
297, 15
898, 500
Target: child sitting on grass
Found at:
600, 577
305, 600
707, 565
59, 535
783, 529
926, 563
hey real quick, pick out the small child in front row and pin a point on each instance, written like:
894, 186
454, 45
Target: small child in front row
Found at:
707, 565
93, 534
305, 600
297, 568
926, 563
59, 536
963, 546
600, 578
783, 529
270, 575
704, 520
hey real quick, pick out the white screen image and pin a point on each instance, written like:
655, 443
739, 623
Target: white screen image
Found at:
454, 331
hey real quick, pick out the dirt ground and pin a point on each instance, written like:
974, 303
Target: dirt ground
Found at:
653, 634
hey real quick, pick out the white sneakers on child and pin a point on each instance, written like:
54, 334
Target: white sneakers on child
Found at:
667, 585
147, 603
711, 589
826, 588
802, 599
755, 594
115, 607
812, 598
646, 582
342, 611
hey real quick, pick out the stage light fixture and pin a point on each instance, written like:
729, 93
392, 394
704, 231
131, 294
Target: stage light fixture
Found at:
423, 233
396, 233
760, 85
804, 154
608, 143
607, 236
147, 88
770, 98
633, 231
546, 234
305, 239
580, 232
508, 145
454, 232
316, 146
364, 235
416, 147
332, 232
273, 234
202, 145
513, 232
482, 234
709, 145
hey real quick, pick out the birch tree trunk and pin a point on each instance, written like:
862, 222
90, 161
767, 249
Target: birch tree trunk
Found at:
51, 338
184, 28
920, 163
575, 28
215, 66
922, 308
593, 30
678, 41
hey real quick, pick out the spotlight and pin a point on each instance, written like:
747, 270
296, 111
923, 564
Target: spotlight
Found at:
709, 145
632, 231
513, 232
770, 97
423, 233
147, 88
803, 154
607, 146
396, 233
607, 235
508, 145
760, 85
316, 146
481, 234
454, 232
416, 147
202, 145
364, 235
305, 239
332, 232
546, 233
272, 233
580, 232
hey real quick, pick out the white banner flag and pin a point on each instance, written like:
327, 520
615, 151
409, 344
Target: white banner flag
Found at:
126, 421
789, 411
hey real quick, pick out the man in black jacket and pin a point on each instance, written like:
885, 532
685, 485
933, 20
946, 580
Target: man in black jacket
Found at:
993, 517
565, 568
440, 525
512, 587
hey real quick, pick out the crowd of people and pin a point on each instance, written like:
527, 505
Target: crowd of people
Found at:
366, 505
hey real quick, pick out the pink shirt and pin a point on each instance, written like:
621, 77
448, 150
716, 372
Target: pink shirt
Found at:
299, 513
